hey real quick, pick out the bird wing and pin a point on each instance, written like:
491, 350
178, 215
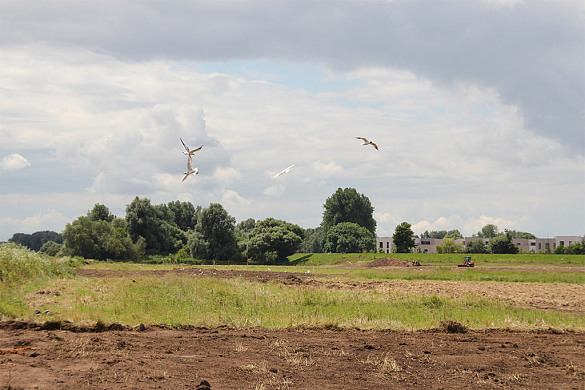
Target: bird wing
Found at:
278, 174
195, 150
363, 139
374, 145
186, 148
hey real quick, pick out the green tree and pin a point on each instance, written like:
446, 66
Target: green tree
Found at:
448, 245
36, 240
403, 238
346, 205
51, 248
273, 240
503, 244
101, 240
476, 246
488, 231
153, 223
313, 242
349, 237
518, 234
100, 213
214, 235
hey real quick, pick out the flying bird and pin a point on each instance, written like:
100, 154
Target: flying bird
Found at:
189, 152
366, 142
287, 170
190, 169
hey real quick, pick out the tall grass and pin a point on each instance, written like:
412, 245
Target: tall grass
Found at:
21, 268
179, 300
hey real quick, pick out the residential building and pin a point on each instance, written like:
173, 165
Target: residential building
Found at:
429, 245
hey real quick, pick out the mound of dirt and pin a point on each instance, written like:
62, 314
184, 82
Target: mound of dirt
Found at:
387, 262
451, 327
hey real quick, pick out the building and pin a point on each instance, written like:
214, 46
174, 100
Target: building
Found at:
429, 245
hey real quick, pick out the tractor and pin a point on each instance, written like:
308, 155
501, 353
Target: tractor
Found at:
467, 262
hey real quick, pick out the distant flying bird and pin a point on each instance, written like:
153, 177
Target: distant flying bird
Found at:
287, 170
366, 142
189, 152
190, 169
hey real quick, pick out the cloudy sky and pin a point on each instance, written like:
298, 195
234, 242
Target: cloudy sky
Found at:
478, 108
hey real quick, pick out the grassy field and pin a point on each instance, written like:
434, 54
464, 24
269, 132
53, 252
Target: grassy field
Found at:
179, 300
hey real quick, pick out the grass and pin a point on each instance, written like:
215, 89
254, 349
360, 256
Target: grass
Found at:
438, 259
178, 300
21, 270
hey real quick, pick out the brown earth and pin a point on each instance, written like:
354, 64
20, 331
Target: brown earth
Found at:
54, 355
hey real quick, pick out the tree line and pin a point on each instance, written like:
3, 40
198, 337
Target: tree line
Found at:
183, 232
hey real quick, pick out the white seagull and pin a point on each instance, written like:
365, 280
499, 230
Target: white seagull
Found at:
190, 169
189, 152
287, 170
366, 142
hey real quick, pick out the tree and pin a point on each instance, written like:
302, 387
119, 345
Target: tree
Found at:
101, 240
153, 224
403, 238
346, 205
36, 240
488, 231
313, 242
51, 248
214, 237
349, 237
273, 240
100, 213
503, 244
448, 245
518, 234
476, 246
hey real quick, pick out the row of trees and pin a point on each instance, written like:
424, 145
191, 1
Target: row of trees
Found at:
181, 230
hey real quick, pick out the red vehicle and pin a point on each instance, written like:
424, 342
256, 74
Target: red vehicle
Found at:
467, 262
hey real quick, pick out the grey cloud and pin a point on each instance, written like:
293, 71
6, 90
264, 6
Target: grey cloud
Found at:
532, 53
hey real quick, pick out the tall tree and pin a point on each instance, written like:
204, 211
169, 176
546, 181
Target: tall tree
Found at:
403, 238
346, 205
502, 244
488, 231
214, 237
152, 223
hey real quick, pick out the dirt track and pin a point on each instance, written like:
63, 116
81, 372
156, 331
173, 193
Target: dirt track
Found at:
47, 356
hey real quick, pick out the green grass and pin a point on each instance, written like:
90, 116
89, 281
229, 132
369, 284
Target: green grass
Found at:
22, 270
179, 300
438, 259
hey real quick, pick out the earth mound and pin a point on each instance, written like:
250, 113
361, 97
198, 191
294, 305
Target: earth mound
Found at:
387, 262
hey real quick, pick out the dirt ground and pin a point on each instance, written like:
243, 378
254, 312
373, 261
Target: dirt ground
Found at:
64, 356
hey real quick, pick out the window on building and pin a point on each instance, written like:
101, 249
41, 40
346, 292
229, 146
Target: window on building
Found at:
381, 244
561, 243
425, 243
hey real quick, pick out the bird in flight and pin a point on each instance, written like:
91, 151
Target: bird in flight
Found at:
287, 170
190, 169
366, 142
189, 152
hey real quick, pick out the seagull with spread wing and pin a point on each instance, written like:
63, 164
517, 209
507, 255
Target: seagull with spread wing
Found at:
189, 152
287, 170
366, 142
190, 169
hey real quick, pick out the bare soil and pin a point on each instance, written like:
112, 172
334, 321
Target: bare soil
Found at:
53, 355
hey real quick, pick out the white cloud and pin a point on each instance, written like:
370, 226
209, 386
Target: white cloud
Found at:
13, 162
48, 220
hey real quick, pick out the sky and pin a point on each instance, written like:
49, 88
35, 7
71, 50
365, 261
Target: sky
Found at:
478, 109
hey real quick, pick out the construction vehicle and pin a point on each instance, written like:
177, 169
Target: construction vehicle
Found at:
467, 262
